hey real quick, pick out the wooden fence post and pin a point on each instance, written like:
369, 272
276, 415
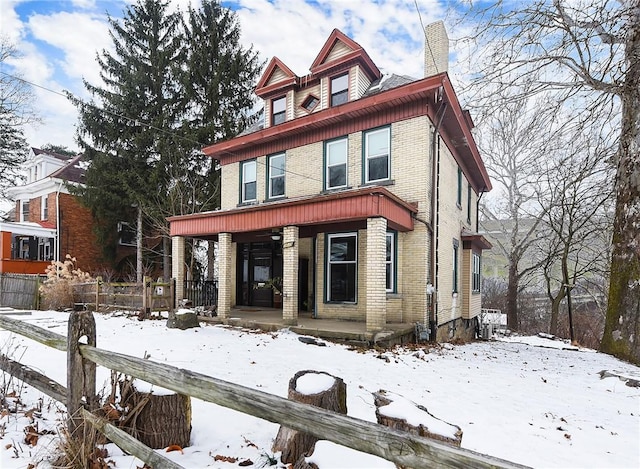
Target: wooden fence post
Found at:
81, 373
98, 283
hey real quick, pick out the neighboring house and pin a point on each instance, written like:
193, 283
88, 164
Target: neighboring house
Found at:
358, 197
49, 222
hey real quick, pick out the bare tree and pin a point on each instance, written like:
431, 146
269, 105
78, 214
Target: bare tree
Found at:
578, 195
513, 138
588, 49
16, 110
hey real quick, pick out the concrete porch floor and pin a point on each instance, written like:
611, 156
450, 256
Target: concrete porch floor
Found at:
354, 332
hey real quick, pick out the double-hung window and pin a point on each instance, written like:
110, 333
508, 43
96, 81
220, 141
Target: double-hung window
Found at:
248, 181
475, 277
455, 266
276, 176
459, 195
469, 204
278, 110
336, 164
342, 267
340, 89
44, 206
390, 262
24, 211
377, 160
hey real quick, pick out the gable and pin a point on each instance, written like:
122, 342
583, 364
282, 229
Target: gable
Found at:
276, 76
340, 49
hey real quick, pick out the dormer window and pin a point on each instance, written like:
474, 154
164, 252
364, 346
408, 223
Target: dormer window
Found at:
278, 110
310, 103
340, 89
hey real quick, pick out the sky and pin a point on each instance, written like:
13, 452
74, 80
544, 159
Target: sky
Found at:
59, 41
533, 401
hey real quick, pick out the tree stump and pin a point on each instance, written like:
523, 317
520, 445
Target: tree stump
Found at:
156, 420
183, 319
399, 413
318, 389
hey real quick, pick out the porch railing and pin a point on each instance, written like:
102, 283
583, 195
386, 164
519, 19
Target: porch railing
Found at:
201, 292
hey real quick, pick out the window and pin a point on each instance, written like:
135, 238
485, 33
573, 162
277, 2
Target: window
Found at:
336, 164
126, 234
459, 199
340, 89
45, 207
376, 155
248, 181
276, 176
469, 203
391, 262
475, 277
342, 271
278, 110
310, 103
24, 211
455, 266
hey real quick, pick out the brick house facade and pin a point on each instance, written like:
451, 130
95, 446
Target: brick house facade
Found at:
358, 193
49, 221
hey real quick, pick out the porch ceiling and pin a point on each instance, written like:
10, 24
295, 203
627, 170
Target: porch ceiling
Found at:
323, 210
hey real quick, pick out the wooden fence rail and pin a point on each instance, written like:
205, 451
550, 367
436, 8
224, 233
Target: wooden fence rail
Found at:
399, 447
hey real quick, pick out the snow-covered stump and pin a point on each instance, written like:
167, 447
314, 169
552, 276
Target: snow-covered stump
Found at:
318, 389
182, 319
400, 413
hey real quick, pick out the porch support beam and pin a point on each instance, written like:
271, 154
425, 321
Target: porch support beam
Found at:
224, 275
177, 265
290, 251
376, 297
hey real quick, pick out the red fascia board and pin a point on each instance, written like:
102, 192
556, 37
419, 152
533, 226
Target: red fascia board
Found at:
463, 124
358, 56
414, 89
273, 64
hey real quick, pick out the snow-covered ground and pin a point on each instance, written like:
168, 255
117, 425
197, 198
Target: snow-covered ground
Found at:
530, 400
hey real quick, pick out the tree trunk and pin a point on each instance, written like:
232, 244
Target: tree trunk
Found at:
512, 296
294, 444
555, 311
157, 421
383, 399
622, 327
211, 259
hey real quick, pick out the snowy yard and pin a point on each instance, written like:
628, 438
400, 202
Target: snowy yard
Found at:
529, 400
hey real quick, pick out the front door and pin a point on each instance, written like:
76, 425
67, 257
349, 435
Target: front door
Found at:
260, 293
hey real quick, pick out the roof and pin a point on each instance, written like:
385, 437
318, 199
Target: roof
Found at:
73, 171
59, 156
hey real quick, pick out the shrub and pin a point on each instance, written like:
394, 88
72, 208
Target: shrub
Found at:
58, 289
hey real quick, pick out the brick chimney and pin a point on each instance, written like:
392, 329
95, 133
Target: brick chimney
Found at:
436, 49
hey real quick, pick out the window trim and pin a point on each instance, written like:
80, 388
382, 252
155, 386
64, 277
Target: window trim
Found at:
243, 164
328, 263
469, 203
344, 91
366, 157
459, 196
282, 113
456, 265
306, 104
270, 177
327, 143
476, 272
393, 261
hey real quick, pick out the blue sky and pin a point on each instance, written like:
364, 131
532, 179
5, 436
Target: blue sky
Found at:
59, 41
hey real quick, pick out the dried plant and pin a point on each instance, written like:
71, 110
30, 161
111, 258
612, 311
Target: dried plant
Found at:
58, 289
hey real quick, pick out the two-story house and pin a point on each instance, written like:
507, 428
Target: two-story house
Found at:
358, 195
49, 221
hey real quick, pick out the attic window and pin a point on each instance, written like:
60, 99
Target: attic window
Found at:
310, 103
278, 110
340, 89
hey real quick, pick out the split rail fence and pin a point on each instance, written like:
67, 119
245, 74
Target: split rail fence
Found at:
80, 399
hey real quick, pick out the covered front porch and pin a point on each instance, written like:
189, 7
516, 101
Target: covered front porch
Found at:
287, 241
351, 332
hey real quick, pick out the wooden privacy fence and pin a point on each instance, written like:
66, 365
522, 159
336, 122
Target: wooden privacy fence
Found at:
80, 398
20, 291
104, 296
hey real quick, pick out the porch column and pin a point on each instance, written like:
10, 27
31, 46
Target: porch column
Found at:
376, 298
224, 275
177, 265
290, 275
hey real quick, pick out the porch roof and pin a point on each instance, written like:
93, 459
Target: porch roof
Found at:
321, 210
28, 229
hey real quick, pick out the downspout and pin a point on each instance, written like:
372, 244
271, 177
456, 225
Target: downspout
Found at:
56, 254
478, 209
435, 201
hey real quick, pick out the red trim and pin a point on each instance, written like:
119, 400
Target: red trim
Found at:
275, 63
319, 65
475, 240
326, 209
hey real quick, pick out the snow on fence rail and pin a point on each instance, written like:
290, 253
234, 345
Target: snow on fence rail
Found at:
400, 447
